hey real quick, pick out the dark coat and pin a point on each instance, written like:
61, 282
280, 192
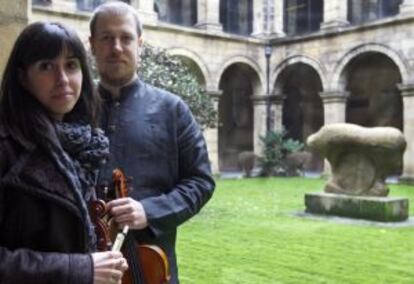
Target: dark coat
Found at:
42, 237
156, 141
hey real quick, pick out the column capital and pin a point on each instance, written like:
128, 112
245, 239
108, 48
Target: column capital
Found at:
335, 15
146, 10
215, 94
334, 25
407, 8
334, 96
407, 90
261, 100
208, 12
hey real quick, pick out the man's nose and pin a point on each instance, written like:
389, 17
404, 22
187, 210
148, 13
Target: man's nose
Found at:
117, 46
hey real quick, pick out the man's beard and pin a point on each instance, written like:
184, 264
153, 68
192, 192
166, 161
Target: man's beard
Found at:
116, 81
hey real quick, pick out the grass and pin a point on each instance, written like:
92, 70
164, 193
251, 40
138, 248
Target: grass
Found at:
248, 233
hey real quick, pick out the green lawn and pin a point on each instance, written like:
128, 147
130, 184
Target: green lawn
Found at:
248, 234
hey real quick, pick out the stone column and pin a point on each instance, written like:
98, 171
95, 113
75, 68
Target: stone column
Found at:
211, 135
259, 122
278, 20
407, 8
407, 93
14, 16
208, 15
334, 14
260, 117
334, 106
258, 18
146, 10
277, 111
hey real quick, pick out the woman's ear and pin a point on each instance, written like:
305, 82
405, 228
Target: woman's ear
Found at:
22, 77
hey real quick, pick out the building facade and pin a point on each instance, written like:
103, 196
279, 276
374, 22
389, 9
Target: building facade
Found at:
305, 62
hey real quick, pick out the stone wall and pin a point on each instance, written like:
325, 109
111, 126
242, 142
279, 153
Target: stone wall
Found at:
329, 52
14, 16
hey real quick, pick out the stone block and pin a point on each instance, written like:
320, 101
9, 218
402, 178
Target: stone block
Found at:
383, 209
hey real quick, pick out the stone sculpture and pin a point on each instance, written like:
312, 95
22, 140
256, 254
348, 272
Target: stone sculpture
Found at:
361, 158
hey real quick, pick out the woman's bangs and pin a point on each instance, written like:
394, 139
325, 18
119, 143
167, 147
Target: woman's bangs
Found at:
49, 43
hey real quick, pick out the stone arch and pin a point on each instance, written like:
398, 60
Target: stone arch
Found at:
399, 61
370, 81
315, 64
244, 60
239, 82
299, 80
196, 59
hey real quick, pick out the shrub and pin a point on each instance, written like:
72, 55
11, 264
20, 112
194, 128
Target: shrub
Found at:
168, 72
275, 149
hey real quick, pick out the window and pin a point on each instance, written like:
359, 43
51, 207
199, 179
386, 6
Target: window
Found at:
179, 12
302, 16
237, 16
90, 5
369, 10
41, 2
87, 5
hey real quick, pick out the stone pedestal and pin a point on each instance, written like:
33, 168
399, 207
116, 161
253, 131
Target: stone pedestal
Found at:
361, 158
383, 209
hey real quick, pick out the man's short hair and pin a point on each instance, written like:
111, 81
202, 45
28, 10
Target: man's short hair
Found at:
117, 8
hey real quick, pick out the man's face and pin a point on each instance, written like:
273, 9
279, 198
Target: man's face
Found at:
115, 45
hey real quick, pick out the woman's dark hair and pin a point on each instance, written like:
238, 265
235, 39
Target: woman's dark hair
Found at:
21, 110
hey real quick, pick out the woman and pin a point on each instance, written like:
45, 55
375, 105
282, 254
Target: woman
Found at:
49, 153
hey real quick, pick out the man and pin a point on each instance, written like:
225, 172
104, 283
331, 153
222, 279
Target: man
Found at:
153, 137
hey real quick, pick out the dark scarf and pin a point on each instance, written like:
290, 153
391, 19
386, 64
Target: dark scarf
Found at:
78, 156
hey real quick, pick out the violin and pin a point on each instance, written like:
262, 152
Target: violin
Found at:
148, 264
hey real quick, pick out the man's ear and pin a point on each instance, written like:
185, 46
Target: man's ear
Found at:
140, 41
92, 45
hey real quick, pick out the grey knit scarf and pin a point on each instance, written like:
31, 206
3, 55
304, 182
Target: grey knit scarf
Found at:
78, 156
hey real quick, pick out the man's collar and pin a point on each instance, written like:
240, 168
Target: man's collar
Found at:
107, 94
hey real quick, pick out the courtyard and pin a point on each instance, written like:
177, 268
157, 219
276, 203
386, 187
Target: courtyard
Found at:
254, 231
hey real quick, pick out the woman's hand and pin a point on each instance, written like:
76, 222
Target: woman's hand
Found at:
108, 267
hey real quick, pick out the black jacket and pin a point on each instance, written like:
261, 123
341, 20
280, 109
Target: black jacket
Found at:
42, 237
155, 139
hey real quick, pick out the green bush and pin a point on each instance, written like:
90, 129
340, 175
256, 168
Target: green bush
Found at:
275, 148
168, 72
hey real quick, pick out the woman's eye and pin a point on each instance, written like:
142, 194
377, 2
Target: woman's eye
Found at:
45, 65
73, 64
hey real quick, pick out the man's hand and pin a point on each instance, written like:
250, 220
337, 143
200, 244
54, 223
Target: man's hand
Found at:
127, 211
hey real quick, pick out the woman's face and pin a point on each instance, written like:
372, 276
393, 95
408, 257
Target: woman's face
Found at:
56, 83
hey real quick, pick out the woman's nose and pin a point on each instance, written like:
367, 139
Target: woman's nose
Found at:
62, 76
